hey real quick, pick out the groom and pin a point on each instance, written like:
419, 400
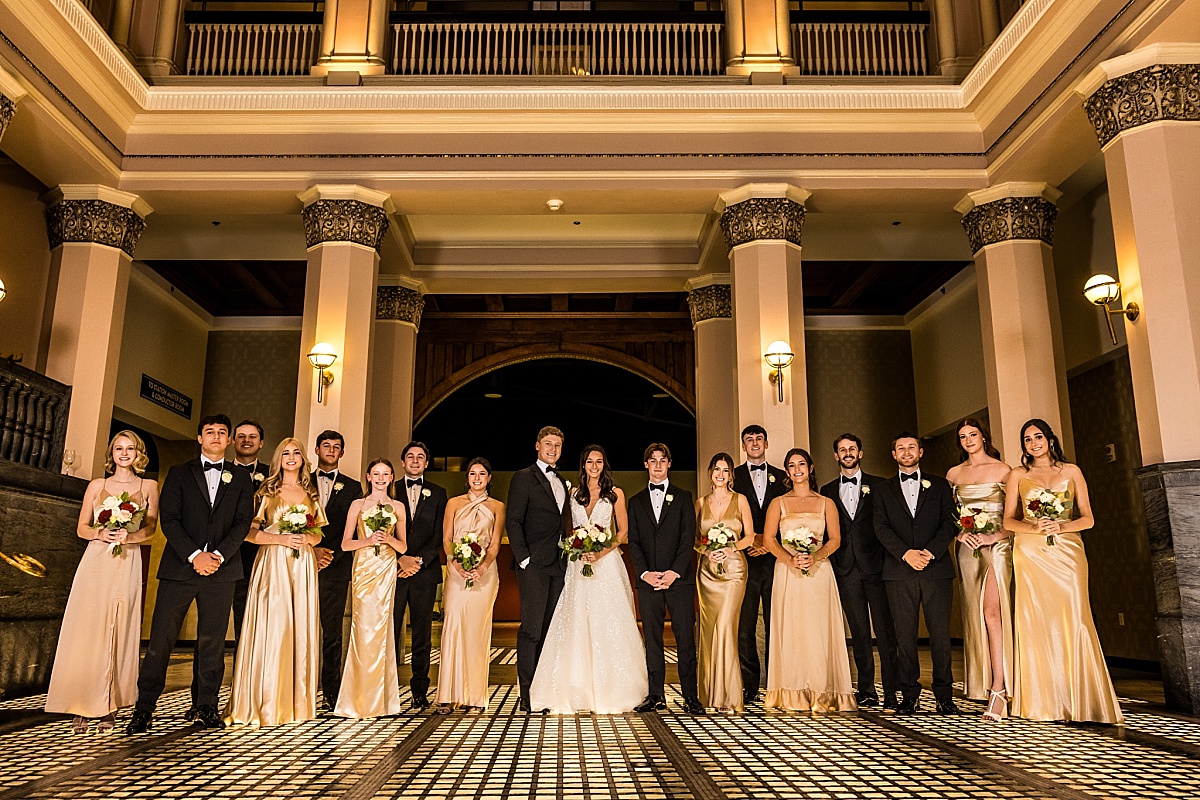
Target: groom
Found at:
538, 517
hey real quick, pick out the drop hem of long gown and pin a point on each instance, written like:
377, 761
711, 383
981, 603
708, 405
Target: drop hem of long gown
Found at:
808, 700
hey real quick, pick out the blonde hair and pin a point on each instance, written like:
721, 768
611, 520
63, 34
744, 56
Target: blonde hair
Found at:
274, 481
139, 464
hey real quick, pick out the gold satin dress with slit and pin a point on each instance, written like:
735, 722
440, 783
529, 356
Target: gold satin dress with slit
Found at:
977, 659
467, 618
719, 673
277, 667
1059, 671
370, 680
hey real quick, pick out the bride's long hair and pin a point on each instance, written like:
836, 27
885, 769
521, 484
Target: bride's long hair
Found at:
583, 495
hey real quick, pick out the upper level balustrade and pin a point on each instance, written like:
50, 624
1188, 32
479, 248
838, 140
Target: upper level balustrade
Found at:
33, 417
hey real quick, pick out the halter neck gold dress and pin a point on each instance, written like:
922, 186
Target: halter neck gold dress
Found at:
977, 659
719, 671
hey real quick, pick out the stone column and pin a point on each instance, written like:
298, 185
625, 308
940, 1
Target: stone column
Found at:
93, 231
762, 224
120, 23
947, 44
1011, 230
166, 36
344, 227
353, 37
989, 18
1143, 107
716, 401
759, 37
398, 310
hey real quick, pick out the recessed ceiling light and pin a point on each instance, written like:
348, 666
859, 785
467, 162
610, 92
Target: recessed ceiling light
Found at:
896, 222
577, 222
554, 204
492, 395
660, 395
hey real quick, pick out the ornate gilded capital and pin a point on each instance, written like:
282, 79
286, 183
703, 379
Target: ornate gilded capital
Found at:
1155, 93
1009, 219
344, 221
399, 303
94, 222
762, 218
710, 302
7, 109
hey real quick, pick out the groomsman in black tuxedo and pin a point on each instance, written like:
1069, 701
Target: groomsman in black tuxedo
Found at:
419, 571
914, 521
760, 483
662, 533
538, 517
248, 440
337, 491
205, 511
858, 567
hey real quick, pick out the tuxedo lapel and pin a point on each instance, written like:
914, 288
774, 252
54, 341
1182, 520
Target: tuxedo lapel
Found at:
198, 473
221, 486
921, 492
898, 491
544, 479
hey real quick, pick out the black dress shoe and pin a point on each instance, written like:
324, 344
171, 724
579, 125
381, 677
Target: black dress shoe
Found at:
866, 700
190, 714
749, 697
140, 723
891, 701
207, 717
907, 707
653, 702
947, 707
524, 706
419, 702
693, 707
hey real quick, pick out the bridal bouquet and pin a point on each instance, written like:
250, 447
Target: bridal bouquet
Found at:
975, 520
467, 552
589, 538
379, 518
296, 519
803, 540
718, 537
119, 513
1046, 504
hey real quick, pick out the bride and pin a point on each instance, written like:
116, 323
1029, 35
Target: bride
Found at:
593, 659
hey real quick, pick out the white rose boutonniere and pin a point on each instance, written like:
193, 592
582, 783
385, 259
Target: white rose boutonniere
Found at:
770, 479
925, 484
258, 477
226, 476
568, 483
670, 498
425, 493
866, 490
337, 487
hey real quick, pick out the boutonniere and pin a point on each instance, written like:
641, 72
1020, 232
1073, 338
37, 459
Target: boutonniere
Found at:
670, 498
866, 490
568, 485
226, 476
425, 493
925, 484
258, 477
770, 479
337, 487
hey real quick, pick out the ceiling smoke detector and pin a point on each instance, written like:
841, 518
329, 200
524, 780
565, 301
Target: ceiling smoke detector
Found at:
554, 205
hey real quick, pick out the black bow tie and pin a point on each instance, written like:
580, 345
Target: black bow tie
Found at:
908, 476
213, 465
330, 475
411, 482
758, 466
853, 480
658, 487
247, 467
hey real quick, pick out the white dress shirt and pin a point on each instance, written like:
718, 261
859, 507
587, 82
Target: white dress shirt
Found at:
212, 477
658, 499
556, 483
414, 492
911, 490
325, 487
851, 492
758, 477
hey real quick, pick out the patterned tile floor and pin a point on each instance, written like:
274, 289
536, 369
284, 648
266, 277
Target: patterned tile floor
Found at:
503, 753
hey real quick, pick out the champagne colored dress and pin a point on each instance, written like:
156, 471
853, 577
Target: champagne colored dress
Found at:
96, 664
467, 618
1059, 672
278, 660
370, 682
977, 659
720, 673
808, 668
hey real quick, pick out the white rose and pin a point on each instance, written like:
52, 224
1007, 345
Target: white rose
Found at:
925, 484
226, 476
770, 479
258, 477
425, 493
337, 487
296, 518
670, 498
982, 518
866, 490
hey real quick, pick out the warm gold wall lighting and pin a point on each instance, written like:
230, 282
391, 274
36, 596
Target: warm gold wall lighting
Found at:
3, 291
322, 358
779, 356
1103, 290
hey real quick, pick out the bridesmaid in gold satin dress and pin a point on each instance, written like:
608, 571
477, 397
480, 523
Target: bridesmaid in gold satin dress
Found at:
370, 680
467, 612
1059, 669
721, 578
985, 564
808, 667
96, 664
276, 669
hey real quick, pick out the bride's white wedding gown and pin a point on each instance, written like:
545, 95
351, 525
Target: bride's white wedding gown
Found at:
593, 658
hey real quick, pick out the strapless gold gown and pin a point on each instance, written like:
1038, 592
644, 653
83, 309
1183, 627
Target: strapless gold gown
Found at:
977, 659
1059, 672
719, 672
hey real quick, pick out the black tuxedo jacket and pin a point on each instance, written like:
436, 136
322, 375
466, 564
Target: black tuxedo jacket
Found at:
860, 546
931, 528
667, 544
535, 523
423, 531
191, 524
336, 510
742, 484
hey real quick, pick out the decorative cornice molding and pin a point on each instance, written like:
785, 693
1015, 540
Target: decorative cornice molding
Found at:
1156, 93
1010, 219
713, 301
94, 222
344, 221
399, 303
761, 219
7, 109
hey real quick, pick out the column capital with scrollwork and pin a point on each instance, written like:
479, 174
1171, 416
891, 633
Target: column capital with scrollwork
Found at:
710, 297
401, 301
92, 214
337, 213
1159, 83
762, 212
1009, 212
11, 93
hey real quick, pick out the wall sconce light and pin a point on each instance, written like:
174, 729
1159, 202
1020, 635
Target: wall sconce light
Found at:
322, 358
779, 355
1103, 290
3, 291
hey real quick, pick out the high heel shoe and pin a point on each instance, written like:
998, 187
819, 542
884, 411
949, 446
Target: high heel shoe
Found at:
107, 723
80, 725
996, 716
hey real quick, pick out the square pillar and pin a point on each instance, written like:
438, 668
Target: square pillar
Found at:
758, 35
709, 299
397, 320
353, 37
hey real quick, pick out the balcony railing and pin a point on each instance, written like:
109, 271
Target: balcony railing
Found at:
33, 417
229, 48
860, 48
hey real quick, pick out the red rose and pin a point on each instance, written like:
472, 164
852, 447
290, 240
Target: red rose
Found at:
309, 521
127, 507
577, 543
475, 548
104, 516
968, 523
1034, 505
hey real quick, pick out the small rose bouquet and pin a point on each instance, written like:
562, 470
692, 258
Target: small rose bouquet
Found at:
590, 538
977, 521
119, 513
803, 540
296, 519
1046, 504
717, 537
379, 518
467, 552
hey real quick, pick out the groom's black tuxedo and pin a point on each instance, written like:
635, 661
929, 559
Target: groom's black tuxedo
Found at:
418, 594
536, 524
930, 528
658, 546
191, 523
333, 582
